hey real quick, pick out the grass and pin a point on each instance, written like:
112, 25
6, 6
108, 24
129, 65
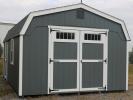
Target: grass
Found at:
130, 74
4, 87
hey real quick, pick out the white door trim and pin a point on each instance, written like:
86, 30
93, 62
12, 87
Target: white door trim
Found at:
52, 39
104, 39
79, 29
94, 30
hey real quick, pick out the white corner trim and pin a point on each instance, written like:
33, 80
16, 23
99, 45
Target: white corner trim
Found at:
27, 23
127, 60
65, 8
20, 64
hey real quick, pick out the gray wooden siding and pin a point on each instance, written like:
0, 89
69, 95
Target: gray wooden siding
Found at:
13, 70
35, 61
36, 49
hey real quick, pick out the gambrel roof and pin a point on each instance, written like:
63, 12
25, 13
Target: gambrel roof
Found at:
28, 19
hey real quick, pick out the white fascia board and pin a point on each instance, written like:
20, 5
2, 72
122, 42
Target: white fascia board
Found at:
77, 28
26, 25
20, 65
127, 66
76, 6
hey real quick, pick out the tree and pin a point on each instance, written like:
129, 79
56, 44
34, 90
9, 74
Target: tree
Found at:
1, 50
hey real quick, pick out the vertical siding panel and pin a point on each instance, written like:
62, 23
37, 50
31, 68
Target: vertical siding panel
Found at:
13, 70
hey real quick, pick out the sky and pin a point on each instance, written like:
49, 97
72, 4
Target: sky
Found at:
12, 11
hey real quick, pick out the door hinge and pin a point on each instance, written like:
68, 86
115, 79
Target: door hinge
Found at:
53, 30
50, 60
105, 87
50, 90
105, 60
103, 33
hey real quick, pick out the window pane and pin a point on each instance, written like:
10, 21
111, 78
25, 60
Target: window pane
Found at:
89, 36
12, 51
99, 37
85, 37
96, 36
93, 36
61, 35
73, 35
65, 35
57, 35
69, 35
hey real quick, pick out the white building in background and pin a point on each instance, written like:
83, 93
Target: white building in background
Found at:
4, 28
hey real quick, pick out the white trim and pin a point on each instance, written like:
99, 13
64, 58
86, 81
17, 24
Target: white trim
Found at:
93, 89
84, 90
98, 60
127, 60
52, 39
104, 41
5, 65
83, 6
94, 30
80, 32
20, 64
105, 74
49, 55
61, 60
65, 91
12, 51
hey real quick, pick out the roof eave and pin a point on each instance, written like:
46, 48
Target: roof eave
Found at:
75, 6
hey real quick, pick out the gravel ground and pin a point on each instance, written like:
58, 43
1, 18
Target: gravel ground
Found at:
8, 94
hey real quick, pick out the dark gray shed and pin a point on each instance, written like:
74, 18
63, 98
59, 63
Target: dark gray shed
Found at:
67, 49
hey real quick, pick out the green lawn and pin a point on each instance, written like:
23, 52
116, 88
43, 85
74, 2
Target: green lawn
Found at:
130, 74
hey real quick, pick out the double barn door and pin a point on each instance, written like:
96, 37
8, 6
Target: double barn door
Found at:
77, 60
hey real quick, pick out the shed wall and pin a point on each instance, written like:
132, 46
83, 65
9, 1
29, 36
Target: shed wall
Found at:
36, 49
35, 61
13, 70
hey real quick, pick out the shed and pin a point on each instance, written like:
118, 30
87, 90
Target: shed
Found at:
74, 48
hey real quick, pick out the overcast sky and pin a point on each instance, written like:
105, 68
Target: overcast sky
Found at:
13, 11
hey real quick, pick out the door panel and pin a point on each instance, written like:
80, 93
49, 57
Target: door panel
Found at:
92, 51
92, 74
65, 75
64, 50
64, 61
93, 55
